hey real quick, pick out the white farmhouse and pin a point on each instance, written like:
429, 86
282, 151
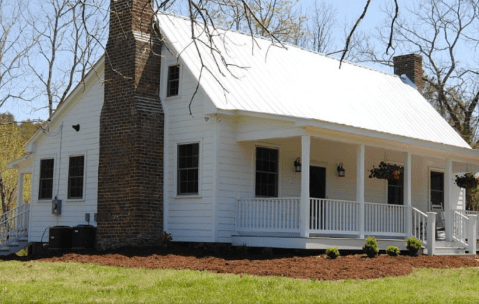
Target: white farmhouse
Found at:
273, 151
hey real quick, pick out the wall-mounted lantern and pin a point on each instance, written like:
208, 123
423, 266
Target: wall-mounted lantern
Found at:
341, 170
297, 165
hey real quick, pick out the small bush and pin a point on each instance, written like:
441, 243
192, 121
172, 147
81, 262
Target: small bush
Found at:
267, 251
332, 252
166, 239
371, 247
413, 245
392, 251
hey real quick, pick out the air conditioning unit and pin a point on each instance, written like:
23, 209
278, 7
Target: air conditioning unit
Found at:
57, 206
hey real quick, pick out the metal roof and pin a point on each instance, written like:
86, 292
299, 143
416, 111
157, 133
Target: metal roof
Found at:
290, 81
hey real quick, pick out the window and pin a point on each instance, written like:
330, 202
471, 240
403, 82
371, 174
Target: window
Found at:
396, 192
437, 188
188, 159
75, 177
266, 172
173, 80
45, 189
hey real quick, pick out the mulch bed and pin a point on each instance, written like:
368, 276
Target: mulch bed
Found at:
286, 263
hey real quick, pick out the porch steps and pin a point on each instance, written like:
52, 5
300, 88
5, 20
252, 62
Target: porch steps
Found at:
449, 248
14, 246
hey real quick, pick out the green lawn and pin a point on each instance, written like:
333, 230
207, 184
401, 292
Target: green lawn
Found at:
37, 282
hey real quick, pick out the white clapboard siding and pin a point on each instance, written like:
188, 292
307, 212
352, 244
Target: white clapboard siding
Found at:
188, 218
84, 111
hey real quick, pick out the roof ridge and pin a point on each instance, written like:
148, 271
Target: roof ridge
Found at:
172, 13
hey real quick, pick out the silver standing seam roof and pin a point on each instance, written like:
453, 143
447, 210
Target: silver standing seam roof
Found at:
289, 81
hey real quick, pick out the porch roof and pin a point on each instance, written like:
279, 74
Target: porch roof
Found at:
292, 82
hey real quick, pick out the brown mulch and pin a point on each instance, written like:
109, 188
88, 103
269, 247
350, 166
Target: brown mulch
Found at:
303, 265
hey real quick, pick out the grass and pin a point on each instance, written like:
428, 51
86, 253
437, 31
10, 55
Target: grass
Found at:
37, 282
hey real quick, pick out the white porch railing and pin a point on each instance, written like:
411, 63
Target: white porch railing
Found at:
14, 223
383, 219
334, 216
327, 216
419, 225
267, 215
467, 213
459, 227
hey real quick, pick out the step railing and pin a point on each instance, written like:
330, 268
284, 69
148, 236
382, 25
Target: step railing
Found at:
459, 227
419, 225
267, 214
14, 224
334, 216
385, 219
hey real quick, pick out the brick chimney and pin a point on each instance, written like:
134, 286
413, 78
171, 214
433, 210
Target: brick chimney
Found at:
411, 66
130, 172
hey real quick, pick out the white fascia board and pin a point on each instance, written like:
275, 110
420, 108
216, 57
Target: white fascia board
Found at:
97, 70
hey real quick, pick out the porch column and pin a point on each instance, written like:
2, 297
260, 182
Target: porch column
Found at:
304, 203
472, 233
20, 189
360, 158
447, 200
431, 233
408, 193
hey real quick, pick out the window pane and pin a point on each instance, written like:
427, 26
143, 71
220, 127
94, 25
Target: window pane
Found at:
75, 176
187, 170
45, 189
173, 80
266, 172
396, 192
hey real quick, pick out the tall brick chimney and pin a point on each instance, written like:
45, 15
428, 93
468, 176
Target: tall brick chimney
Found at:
411, 65
130, 173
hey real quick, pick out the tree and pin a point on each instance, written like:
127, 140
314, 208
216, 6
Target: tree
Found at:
13, 49
12, 139
438, 29
69, 40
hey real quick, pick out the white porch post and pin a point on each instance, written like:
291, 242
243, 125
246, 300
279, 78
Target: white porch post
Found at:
408, 192
472, 233
20, 189
447, 200
360, 158
431, 233
305, 199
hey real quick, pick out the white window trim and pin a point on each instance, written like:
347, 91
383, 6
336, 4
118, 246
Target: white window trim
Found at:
73, 200
200, 166
433, 169
164, 79
280, 165
37, 167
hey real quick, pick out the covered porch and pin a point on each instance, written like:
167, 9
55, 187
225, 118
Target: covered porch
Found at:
355, 206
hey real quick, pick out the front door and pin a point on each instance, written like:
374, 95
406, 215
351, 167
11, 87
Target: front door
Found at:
317, 182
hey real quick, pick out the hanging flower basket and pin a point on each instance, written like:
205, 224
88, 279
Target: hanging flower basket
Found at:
387, 171
466, 181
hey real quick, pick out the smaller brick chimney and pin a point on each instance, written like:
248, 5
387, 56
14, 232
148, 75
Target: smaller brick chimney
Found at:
411, 66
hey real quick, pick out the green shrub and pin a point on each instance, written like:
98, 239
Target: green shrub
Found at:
165, 239
332, 252
413, 245
392, 251
371, 247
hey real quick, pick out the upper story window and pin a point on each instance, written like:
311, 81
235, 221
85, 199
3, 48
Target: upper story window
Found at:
173, 86
75, 176
266, 172
45, 189
188, 163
